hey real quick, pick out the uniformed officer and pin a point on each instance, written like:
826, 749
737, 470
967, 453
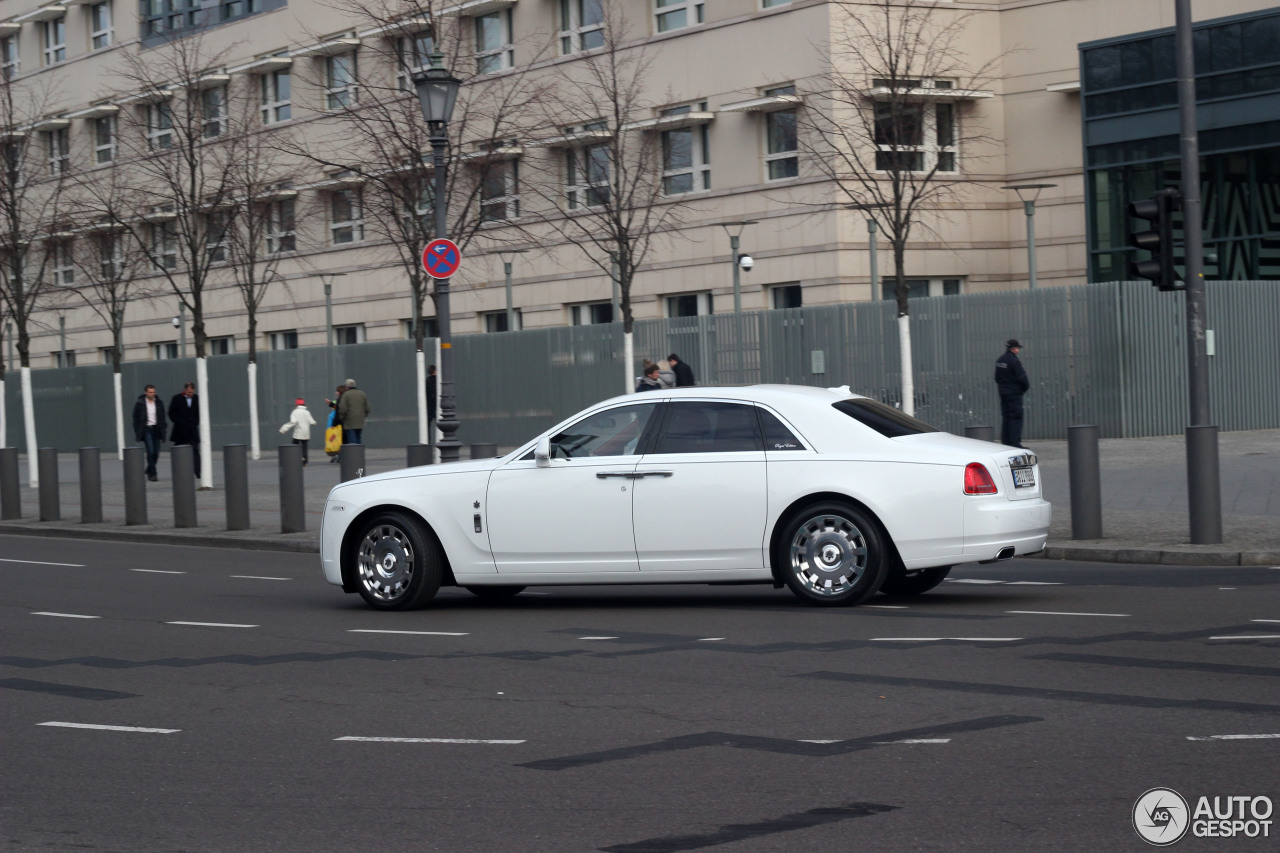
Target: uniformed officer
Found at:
1012, 381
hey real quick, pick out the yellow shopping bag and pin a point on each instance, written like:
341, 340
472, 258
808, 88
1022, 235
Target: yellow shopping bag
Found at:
333, 440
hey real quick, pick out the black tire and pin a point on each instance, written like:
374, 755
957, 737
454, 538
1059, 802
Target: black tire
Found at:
398, 562
901, 583
494, 593
832, 554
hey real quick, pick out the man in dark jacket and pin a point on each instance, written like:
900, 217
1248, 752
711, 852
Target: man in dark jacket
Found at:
1012, 382
184, 413
683, 372
148, 426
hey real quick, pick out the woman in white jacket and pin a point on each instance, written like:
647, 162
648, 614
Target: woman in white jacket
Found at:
301, 422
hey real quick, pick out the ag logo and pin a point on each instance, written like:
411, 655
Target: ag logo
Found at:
1161, 817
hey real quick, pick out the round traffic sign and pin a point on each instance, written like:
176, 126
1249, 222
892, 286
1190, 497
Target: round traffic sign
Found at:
441, 258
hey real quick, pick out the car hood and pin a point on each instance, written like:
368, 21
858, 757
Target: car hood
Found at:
467, 467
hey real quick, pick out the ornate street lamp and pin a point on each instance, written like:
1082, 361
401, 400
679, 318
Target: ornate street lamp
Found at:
437, 92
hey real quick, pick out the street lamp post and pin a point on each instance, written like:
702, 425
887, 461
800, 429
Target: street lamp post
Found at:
180, 323
506, 269
1029, 193
327, 278
729, 228
872, 236
437, 92
62, 341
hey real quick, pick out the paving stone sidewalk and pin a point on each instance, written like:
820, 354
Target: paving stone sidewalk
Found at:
1144, 499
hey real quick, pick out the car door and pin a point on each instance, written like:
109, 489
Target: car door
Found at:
701, 493
573, 516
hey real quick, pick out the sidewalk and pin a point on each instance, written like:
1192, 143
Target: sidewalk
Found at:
1144, 500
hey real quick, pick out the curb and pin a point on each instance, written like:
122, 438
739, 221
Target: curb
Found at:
1155, 555
152, 536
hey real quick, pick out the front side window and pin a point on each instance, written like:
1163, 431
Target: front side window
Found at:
613, 432
276, 97
676, 14
686, 165
340, 81
55, 40
499, 189
494, 51
413, 54
58, 151
159, 126
581, 25
281, 227
781, 142
346, 217
706, 427
105, 141
9, 65
213, 111
587, 176
100, 29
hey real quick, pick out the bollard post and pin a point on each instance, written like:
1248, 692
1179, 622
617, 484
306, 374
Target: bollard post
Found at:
351, 462
235, 473
420, 454
1084, 473
181, 459
293, 518
10, 496
484, 451
982, 432
50, 501
1204, 485
90, 486
135, 485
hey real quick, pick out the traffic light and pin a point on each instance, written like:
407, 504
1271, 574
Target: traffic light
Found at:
1158, 210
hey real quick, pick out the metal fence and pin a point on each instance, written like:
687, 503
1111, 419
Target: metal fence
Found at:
1109, 354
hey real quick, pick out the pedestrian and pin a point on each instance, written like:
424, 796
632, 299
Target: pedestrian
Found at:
649, 381
184, 414
301, 422
666, 375
433, 391
148, 426
1011, 380
683, 372
353, 409
332, 436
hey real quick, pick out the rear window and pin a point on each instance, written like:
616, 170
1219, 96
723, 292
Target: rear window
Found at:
886, 420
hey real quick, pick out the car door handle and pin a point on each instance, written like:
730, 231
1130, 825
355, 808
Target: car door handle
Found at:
641, 474
604, 475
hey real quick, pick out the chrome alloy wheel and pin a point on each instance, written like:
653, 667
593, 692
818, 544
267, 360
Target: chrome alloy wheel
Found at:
386, 562
828, 555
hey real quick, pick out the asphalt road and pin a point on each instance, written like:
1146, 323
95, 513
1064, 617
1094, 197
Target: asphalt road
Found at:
163, 698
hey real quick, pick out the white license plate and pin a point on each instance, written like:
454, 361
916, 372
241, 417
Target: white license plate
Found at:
1024, 477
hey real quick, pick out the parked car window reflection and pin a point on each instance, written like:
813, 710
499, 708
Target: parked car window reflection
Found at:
613, 432
705, 427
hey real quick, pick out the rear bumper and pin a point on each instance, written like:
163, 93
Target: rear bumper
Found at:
991, 525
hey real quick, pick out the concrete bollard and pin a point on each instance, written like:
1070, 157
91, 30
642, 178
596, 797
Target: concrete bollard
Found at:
420, 454
235, 473
181, 459
1084, 473
90, 486
984, 432
1204, 485
351, 462
10, 495
50, 500
293, 518
135, 485
484, 451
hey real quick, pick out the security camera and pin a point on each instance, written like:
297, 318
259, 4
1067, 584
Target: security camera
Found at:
746, 262
176, 322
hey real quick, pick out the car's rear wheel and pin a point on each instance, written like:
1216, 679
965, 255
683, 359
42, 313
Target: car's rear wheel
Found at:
399, 565
495, 593
832, 554
914, 583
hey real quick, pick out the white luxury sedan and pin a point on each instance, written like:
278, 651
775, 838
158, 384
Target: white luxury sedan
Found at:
836, 496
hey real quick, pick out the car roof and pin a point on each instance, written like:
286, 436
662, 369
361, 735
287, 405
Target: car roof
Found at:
775, 395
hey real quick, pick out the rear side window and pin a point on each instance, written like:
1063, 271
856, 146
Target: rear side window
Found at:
886, 420
777, 436
707, 427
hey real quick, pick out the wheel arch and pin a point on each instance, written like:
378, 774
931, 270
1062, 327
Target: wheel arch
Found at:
775, 538
353, 531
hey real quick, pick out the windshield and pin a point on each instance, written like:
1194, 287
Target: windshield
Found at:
886, 420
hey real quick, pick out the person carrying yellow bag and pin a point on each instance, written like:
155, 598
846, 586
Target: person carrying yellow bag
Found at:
333, 430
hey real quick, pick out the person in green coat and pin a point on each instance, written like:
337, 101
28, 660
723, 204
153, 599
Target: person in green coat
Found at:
353, 409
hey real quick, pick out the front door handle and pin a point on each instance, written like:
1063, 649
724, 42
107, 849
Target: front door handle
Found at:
604, 475
642, 474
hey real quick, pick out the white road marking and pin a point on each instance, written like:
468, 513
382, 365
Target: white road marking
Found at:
1236, 737
260, 578
424, 740
820, 741
917, 740
710, 639
1226, 587
1035, 583
212, 624
1264, 620
110, 728
597, 638
64, 615
1061, 613
38, 563
1248, 637
157, 571
940, 639
970, 580
422, 633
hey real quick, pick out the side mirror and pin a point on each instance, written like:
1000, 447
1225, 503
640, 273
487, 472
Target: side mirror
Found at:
542, 453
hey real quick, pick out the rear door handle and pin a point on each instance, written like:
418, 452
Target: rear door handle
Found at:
641, 474
604, 475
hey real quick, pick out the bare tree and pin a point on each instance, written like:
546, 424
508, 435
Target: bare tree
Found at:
891, 120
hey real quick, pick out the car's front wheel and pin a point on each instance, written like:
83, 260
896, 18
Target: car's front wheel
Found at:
914, 583
832, 554
399, 565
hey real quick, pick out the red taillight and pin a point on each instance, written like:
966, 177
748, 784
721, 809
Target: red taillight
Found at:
977, 481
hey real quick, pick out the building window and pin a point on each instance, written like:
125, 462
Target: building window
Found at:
340, 80
689, 304
100, 29
66, 358
164, 245
215, 237
159, 126
276, 97
105, 140
918, 288
496, 321
430, 328
591, 313
676, 14
914, 136
238, 8
581, 25
9, 64
281, 227
499, 189
785, 296
213, 111
686, 161
413, 54
63, 263
165, 350
769, 4
55, 40
287, 339
159, 16
107, 354
344, 335
494, 51
781, 143
346, 217
58, 151
587, 172
110, 257
222, 346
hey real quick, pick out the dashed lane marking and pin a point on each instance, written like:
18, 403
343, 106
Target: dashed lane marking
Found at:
425, 740
710, 639
597, 638
943, 639
1236, 737
111, 728
971, 580
65, 615
915, 740
39, 563
260, 578
1061, 613
1035, 583
158, 571
420, 633
212, 624
1247, 637
1264, 620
